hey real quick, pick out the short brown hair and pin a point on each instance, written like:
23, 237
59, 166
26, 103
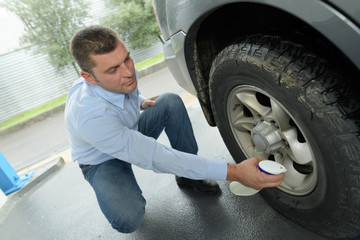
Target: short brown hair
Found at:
91, 40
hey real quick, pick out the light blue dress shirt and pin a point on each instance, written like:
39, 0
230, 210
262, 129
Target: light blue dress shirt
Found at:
102, 125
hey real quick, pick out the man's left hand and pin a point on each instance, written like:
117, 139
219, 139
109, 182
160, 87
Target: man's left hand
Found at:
150, 102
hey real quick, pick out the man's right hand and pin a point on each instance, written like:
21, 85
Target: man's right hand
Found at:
248, 173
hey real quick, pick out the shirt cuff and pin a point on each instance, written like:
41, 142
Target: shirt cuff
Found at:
217, 169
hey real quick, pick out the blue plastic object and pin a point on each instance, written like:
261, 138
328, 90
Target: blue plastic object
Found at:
9, 180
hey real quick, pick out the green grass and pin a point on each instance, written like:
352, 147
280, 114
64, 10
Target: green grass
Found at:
33, 112
149, 62
61, 100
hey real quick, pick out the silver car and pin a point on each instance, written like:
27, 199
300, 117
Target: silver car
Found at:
280, 79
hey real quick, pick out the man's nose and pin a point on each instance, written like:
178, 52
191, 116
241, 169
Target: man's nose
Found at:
126, 70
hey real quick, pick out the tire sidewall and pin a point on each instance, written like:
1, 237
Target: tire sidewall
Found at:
232, 74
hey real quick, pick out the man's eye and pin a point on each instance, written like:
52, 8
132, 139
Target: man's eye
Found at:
113, 70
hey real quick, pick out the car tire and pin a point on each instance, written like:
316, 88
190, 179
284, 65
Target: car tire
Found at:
271, 98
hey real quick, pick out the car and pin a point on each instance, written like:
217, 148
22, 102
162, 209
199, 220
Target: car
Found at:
280, 79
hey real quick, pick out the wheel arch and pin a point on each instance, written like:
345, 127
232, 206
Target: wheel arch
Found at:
225, 24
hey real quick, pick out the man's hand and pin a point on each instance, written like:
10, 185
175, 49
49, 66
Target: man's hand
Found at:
248, 173
148, 102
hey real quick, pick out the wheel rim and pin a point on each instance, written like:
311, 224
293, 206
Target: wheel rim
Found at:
263, 128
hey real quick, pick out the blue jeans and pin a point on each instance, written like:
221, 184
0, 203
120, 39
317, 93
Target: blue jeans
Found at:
119, 196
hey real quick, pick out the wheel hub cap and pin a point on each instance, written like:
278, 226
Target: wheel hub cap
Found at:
264, 128
267, 137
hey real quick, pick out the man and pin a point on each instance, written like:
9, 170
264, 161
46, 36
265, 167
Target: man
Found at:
109, 132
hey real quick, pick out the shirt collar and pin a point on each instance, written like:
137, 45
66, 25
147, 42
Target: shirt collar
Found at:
116, 99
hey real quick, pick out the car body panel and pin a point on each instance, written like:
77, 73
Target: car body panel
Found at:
349, 7
328, 19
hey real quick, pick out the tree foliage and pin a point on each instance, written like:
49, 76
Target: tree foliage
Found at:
134, 20
49, 26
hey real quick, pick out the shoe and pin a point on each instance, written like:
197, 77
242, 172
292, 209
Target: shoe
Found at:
203, 186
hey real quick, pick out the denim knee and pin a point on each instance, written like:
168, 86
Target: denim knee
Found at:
129, 223
118, 194
172, 99
172, 103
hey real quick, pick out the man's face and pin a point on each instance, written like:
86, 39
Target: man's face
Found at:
114, 71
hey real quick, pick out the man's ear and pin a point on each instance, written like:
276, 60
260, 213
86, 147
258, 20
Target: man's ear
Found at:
88, 77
